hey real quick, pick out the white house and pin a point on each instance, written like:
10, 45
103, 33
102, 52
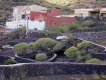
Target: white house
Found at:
20, 18
19, 12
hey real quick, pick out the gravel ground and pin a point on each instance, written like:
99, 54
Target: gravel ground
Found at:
62, 77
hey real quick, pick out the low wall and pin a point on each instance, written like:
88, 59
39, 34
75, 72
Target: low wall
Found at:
26, 60
91, 36
9, 72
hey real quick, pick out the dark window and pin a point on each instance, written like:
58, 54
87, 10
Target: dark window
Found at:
23, 16
28, 18
40, 20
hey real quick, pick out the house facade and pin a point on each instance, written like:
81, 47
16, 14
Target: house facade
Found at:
86, 12
34, 16
19, 12
103, 12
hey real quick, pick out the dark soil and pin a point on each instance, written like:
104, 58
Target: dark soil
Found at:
8, 52
64, 77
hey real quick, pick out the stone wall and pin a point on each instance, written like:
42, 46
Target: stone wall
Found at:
15, 71
81, 19
91, 36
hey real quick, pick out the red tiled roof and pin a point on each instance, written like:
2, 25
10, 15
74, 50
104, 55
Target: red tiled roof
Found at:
24, 7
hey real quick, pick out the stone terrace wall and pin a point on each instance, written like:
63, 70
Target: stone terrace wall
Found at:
91, 36
9, 72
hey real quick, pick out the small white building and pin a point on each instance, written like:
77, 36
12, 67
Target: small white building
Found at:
83, 12
29, 24
86, 12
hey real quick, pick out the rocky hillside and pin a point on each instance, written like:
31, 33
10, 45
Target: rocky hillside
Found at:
66, 6
62, 2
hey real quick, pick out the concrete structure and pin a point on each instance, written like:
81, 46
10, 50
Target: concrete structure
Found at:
51, 17
85, 12
91, 36
37, 18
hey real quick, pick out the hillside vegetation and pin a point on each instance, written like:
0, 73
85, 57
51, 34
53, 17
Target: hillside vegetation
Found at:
66, 6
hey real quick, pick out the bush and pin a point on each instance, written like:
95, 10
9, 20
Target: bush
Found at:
94, 60
71, 38
17, 30
73, 26
21, 47
83, 52
88, 23
9, 61
88, 57
20, 29
79, 58
41, 56
72, 52
104, 42
62, 29
97, 51
44, 43
58, 46
101, 24
84, 45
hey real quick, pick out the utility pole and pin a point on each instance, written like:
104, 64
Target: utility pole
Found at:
27, 31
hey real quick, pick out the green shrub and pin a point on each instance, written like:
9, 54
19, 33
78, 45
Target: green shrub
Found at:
9, 61
71, 38
44, 43
101, 24
97, 51
83, 52
104, 42
79, 58
88, 57
84, 45
20, 29
41, 56
88, 23
72, 52
94, 60
62, 29
17, 30
58, 46
21, 47
64, 41
73, 26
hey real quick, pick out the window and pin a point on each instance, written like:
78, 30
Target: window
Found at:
28, 18
40, 20
23, 16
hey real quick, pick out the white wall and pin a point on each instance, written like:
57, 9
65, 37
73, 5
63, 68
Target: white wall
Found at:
84, 12
31, 24
36, 24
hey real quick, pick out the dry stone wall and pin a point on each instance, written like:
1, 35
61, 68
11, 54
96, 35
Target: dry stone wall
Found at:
91, 36
13, 72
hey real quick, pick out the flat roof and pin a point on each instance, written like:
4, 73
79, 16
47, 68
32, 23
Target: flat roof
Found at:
84, 9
